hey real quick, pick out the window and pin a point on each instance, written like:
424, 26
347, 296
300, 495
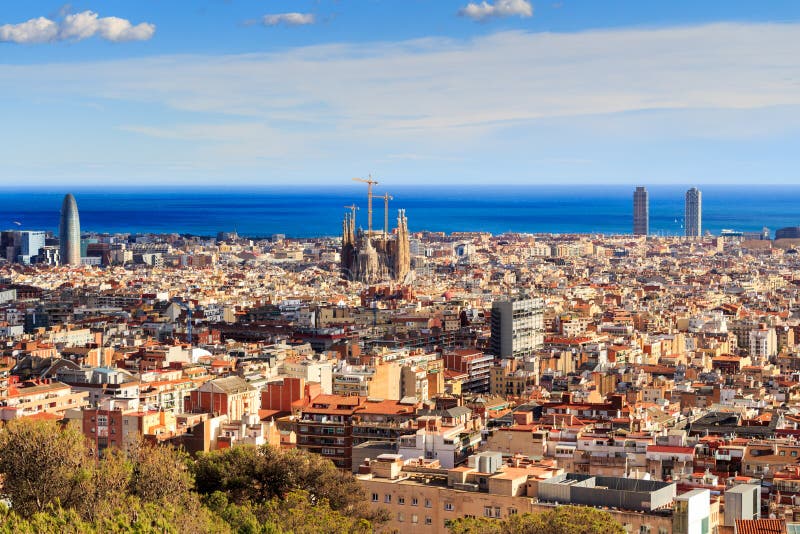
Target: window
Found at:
374, 497
497, 512
428, 520
427, 503
448, 506
487, 511
414, 501
400, 517
794, 453
387, 498
414, 518
644, 529
783, 453
512, 511
401, 500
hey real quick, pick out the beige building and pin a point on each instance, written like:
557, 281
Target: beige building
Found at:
36, 397
520, 438
423, 497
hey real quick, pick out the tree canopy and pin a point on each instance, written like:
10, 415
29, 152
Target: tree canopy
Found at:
54, 483
559, 520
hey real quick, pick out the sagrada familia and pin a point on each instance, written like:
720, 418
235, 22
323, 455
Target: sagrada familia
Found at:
375, 256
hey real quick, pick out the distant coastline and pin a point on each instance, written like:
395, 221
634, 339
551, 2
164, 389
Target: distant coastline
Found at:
317, 211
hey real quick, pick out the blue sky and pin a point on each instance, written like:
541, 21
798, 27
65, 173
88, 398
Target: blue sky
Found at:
284, 92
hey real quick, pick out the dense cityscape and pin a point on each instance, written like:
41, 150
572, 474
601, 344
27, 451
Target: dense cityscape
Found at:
566, 300
454, 376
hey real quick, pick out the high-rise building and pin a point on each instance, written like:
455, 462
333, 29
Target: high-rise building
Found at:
31, 243
641, 212
790, 232
69, 232
517, 327
693, 216
21, 246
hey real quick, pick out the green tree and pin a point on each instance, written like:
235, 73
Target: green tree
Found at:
55, 484
105, 488
559, 520
261, 473
42, 464
479, 525
147, 518
159, 472
296, 513
240, 473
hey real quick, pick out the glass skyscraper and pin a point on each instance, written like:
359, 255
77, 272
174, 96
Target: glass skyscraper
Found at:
69, 232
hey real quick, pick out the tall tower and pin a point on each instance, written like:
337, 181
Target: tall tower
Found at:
517, 327
69, 232
641, 212
693, 219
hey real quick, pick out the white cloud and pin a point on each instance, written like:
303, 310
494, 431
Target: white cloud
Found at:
88, 24
38, 30
438, 98
501, 8
431, 84
289, 19
76, 27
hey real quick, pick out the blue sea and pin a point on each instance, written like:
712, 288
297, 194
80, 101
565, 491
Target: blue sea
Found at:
308, 212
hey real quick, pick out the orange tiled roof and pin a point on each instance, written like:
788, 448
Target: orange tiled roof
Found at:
761, 526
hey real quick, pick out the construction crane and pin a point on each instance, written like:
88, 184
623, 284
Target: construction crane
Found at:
386, 198
370, 182
353, 208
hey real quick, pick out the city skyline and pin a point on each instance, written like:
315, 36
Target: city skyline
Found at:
516, 92
539, 210
433, 266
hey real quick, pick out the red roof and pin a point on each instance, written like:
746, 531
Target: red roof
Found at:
761, 526
670, 448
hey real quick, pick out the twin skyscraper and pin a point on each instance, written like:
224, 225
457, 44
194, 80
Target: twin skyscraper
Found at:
693, 212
